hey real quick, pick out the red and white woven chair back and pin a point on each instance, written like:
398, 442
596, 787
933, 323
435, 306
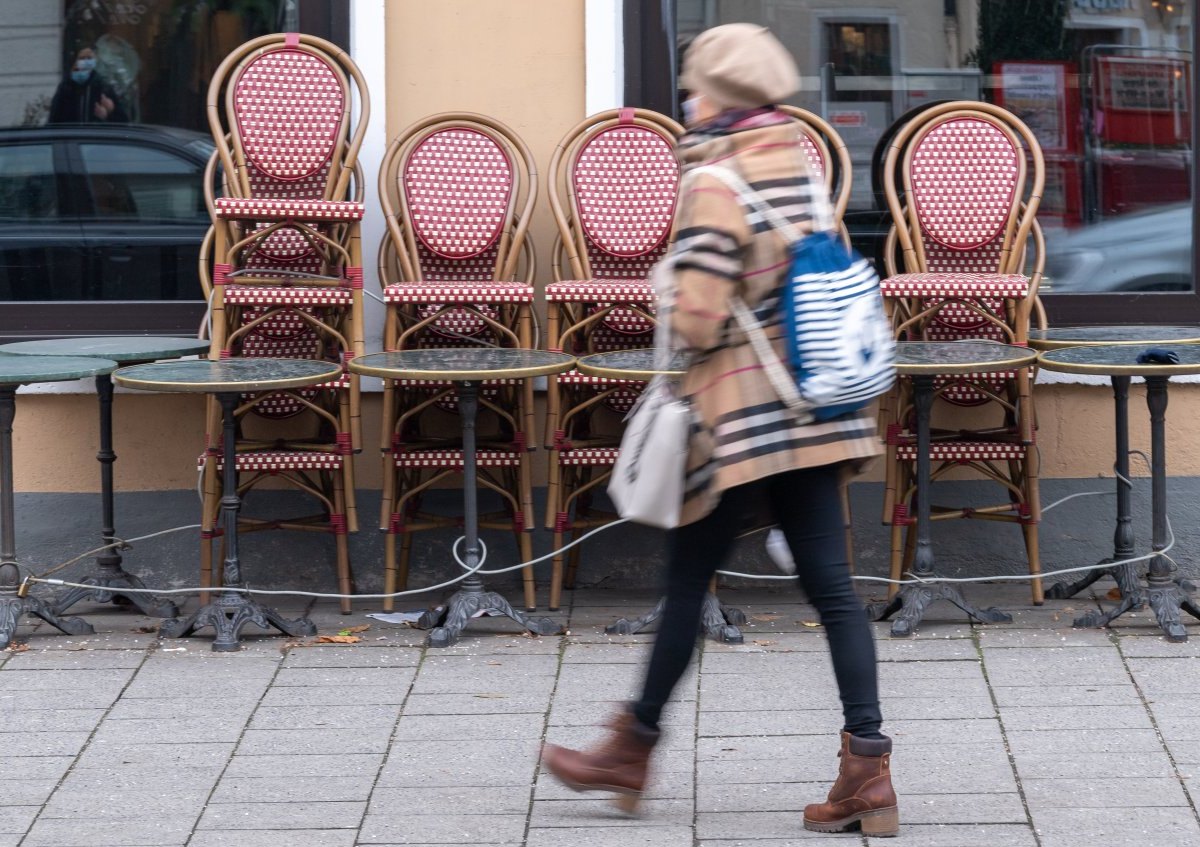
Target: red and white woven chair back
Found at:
284, 335
624, 184
459, 185
289, 106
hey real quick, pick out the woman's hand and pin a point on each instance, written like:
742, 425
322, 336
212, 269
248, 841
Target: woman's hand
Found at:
104, 108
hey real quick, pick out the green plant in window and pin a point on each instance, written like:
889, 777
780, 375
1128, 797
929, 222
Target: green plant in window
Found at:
1019, 29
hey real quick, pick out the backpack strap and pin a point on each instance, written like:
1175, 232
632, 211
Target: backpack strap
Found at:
749, 197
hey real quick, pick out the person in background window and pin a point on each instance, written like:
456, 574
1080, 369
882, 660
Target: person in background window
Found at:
83, 97
748, 456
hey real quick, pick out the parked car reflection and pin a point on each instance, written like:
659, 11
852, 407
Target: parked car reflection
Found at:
1143, 251
101, 213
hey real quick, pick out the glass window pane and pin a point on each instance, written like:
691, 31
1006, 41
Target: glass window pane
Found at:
142, 183
28, 188
1104, 85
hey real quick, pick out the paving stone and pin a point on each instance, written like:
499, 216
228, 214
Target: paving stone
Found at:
631, 652
479, 800
1069, 741
1093, 717
478, 703
344, 678
334, 695
1123, 827
447, 828
25, 792
304, 764
962, 835
1045, 638
293, 789
74, 660
266, 742
48, 720
182, 729
316, 813
132, 832
165, 756
62, 742
809, 641
1041, 666
237, 708
1070, 765
949, 649
108, 680
764, 748
761, 797
352, 656
31, 700
1156, 647
1160, 677
597, 811
911, 733
1101, 792
1067, 696
259, 837
947, 672
824, 722
611, 836
436, 763
965, 808
939, 708
891, 687
800, 839
118, 805
36, 767
14, 819
346, 715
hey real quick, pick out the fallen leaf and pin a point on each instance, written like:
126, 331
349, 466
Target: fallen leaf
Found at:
338, 639
763, 642
809, 623
765, 617
350, 630
17, 647
1114, 593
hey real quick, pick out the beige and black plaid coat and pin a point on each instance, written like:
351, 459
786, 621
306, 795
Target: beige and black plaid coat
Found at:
742, 432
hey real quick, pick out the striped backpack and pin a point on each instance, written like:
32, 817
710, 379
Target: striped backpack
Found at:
840, 346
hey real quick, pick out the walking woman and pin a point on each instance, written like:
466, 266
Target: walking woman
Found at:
749, 459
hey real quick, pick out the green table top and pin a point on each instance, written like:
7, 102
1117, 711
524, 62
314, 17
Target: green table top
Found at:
1080, 336
956, 357
627, 364
231, 376
462, 364
1120, 360
23, 370
123, 349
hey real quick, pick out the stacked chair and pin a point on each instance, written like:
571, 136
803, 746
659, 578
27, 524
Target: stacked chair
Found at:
963, 181
286, 274
613, 182
458, 190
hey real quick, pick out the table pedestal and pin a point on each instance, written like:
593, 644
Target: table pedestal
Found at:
913, 599
447, 622
106, 576
717, 621
1123, 541
1165, 594
12, 605
232, 610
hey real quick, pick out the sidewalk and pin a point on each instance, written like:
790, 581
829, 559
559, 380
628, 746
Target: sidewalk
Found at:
1007, 735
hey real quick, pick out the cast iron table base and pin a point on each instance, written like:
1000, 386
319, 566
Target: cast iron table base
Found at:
911, 601
232, 610
447, 622
717, 621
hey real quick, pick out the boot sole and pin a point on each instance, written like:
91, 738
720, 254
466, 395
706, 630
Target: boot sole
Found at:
880, 823
627, 800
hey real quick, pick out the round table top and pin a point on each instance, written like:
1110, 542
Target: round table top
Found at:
231, 376
955, 357
121, 348
1119, 360
462, 364
1058, 337
627, 364
23, 370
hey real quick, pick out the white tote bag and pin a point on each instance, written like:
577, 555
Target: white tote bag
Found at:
647, 481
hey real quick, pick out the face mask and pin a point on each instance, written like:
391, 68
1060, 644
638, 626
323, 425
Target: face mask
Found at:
80, 77
85, 65
691, 108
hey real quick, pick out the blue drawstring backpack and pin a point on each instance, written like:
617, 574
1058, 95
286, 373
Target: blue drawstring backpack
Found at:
840, 345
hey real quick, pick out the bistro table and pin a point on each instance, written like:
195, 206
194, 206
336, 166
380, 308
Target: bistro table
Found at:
467, 368
1165, 594
16, 371
924, 361
1057, 338
229, 379
716, 620
107, 577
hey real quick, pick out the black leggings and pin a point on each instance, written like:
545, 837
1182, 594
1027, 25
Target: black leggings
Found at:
808, 508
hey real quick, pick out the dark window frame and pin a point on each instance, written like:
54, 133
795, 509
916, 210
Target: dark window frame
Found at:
650, 82
22, 321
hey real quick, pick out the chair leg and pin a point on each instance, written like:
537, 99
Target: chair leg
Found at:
1030, 530
405, 552
556, 572
896, 559
389, 570
342, 542
525, 546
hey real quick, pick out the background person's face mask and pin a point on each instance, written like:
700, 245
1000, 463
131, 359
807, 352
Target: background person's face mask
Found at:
83, 70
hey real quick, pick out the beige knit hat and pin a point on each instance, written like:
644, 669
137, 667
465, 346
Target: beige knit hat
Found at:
739, 66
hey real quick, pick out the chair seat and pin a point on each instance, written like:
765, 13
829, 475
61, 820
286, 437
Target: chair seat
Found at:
938, 284
588, 456
287, 209
280, 460
458, 292
966, 451
601, 291
287, 295
574, 377
453, 459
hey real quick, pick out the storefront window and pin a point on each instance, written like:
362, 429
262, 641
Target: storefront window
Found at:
1105, 85
103, 144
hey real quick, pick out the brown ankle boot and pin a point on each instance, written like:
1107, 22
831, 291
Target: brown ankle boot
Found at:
863, 793
618, 763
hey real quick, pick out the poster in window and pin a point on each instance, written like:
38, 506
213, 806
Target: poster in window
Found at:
1143, 101
1045, 96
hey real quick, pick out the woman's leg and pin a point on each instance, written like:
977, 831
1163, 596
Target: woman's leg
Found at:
695, 551
808, 506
